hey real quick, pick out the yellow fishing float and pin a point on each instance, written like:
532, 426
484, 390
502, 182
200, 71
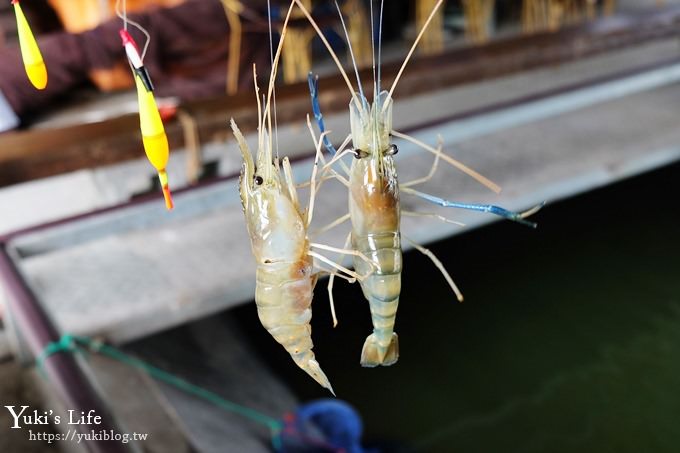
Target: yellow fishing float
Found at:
153, 132
153, 136
30, 53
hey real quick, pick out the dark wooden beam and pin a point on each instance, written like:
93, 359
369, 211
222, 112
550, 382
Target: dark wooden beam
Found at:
32, 154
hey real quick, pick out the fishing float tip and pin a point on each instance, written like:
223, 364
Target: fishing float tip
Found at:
135, 59
163, 177
30, 53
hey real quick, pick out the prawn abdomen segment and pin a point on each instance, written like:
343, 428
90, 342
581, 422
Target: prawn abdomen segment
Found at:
382, 289
283, 295
382, 347
375, 214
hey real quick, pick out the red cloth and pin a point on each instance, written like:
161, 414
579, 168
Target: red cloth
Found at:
187, 55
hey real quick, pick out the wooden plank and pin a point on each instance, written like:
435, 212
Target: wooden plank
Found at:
218, 354
139, 404
19, 389
39, 153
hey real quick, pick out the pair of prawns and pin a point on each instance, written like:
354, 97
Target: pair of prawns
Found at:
277, 227
374, 190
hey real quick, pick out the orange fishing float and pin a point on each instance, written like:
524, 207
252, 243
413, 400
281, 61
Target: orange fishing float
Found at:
153, 133
30, 53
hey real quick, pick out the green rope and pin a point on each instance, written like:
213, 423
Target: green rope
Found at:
74, 343
65, 344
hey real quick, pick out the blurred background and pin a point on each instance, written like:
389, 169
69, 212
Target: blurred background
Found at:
569, 334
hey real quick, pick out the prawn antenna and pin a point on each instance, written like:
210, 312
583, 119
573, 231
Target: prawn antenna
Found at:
380, 25
313, 81
259, 109
267, 140
271, 57
330, 50
518, 217
375, 80
351, 53
275, 63
413, 48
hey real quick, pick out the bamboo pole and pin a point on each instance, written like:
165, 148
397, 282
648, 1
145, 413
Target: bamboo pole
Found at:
359, 31
609, 7
433, 40
478, 16
232, 8
297, 50
552, 15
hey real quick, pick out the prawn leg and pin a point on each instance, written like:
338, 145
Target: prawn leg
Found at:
519, 217
333, 224
433, 169
337, 153
331, 280
428, 253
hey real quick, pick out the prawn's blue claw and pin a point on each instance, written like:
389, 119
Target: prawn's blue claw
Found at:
313, 81
519, 217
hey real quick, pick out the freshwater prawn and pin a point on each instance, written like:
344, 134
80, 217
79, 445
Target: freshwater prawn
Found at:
277, 227
374, 198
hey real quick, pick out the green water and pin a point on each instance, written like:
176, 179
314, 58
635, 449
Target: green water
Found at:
568, 339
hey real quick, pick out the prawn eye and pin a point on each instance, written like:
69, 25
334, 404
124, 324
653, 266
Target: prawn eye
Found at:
359, 154
258, 180
392, 150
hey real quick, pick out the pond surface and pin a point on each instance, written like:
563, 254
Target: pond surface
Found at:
568, 339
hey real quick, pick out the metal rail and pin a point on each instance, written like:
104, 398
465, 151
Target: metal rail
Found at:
61, 369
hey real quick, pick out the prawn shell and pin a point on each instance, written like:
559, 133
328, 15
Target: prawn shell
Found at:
277, 231
371, 128
374, 196
376, 216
